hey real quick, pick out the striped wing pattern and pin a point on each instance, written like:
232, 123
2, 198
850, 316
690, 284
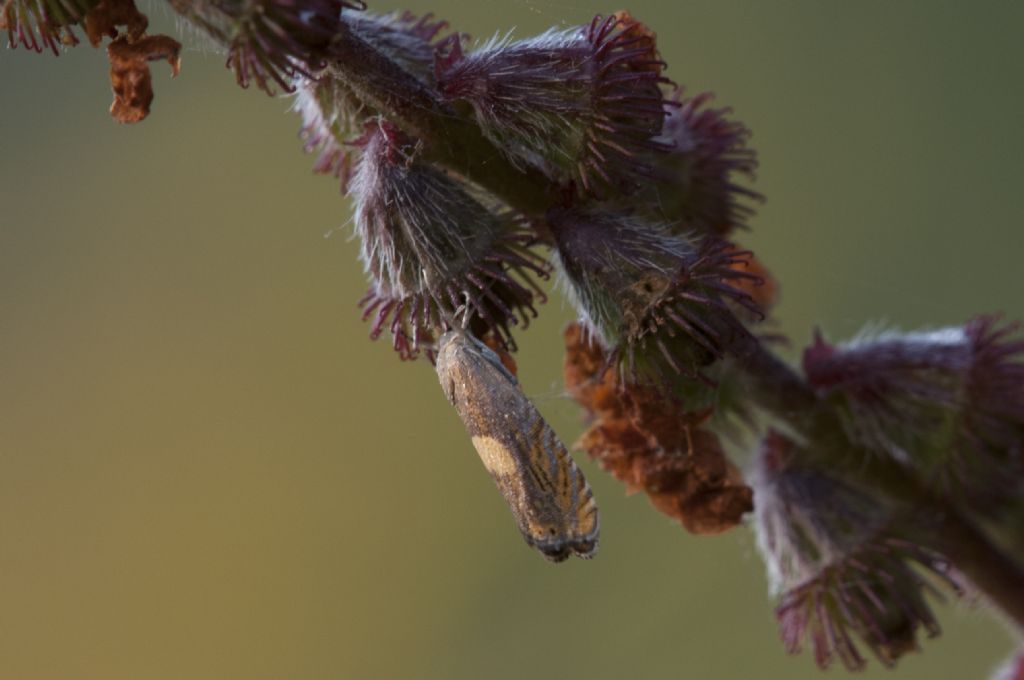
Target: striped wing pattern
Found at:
547, 494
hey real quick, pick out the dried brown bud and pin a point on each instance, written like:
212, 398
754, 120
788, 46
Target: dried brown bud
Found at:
128, 52
130, 77
652, 445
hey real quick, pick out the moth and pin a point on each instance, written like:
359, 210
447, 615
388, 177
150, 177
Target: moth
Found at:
548, 495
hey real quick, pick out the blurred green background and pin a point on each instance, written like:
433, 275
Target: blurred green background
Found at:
208, 471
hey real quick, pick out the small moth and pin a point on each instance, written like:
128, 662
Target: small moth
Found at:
548, 496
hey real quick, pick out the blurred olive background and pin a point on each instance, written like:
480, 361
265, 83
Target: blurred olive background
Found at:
208, 471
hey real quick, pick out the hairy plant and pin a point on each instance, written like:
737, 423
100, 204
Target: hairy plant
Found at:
889, 469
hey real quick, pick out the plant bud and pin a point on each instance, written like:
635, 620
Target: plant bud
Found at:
696, 184
581, 104
653, 445
834, 554
807, 519
434, 252
659, 301
876, 594
948, 404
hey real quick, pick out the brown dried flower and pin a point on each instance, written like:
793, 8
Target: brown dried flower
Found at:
650, 444
130, 77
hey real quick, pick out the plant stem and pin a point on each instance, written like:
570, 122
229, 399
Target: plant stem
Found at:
990, 569
775, 385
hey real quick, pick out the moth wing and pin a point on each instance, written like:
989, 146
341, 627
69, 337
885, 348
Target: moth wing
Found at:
545, 490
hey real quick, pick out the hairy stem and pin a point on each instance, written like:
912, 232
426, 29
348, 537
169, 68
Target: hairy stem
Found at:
993, 571
776, 387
